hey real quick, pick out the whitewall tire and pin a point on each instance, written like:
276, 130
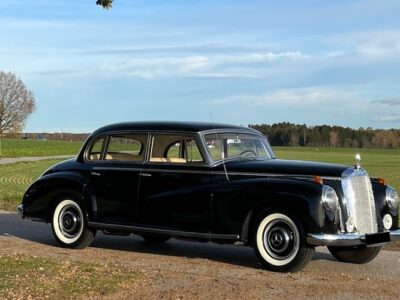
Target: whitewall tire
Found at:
69, 225
279, 243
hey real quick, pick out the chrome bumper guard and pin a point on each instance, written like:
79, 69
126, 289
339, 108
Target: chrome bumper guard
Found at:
20, 209
353, 239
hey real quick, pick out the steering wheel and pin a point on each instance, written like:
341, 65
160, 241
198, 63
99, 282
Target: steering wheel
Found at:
247, 151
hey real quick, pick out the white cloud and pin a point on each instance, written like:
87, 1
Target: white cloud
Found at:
391, 118
394, 101
376, 44
266, 57
211, 66
294, 97
224, 75
157, 67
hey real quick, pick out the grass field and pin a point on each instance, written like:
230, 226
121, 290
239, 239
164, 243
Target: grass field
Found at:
378, 162
18, 148
15, 178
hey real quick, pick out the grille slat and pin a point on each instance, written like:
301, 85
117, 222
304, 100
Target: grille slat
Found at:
360, 201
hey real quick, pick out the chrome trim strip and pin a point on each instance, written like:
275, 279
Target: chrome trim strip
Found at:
116, 169
20, 209
173, 233
300, 176
346, 239
296, 176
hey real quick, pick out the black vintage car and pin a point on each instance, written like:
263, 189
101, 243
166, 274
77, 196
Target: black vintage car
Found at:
213, 182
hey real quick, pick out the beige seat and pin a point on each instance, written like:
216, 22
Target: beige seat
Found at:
97, 156
94, 156
168, 159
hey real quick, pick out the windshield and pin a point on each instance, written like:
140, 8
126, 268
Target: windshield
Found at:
241, 145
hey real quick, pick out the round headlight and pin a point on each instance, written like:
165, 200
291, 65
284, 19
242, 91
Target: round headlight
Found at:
392, 198
387, 221
329, 198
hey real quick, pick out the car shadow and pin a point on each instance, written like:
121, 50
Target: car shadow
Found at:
11, 225
243, 256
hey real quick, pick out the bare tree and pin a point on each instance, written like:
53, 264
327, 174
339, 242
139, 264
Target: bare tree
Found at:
333, 138
16, 104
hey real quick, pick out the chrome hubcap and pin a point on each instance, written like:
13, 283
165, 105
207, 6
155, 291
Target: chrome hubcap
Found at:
279, 239
69, 221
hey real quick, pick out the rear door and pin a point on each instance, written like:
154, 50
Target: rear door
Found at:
115, 177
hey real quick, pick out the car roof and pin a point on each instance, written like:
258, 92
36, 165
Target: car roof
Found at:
168, 126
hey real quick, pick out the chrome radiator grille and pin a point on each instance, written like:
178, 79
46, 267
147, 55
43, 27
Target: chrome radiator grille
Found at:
359, 201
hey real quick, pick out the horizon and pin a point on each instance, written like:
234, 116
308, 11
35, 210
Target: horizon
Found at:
252, 62
248, 125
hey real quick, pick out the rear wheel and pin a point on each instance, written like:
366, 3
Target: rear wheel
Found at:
279, 242
69, 225
355, 255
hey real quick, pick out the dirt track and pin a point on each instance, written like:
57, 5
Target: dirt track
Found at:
13, 160
184, 270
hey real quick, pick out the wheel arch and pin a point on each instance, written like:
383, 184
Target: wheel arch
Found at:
293, 206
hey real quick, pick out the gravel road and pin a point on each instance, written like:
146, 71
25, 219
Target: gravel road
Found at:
187, 270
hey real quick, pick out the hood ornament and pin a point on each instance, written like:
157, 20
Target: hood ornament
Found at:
358, 159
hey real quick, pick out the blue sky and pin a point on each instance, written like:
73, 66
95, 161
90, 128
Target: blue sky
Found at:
313, 62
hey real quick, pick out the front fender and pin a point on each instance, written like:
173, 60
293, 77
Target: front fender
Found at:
382, 207
38, 200
237, 204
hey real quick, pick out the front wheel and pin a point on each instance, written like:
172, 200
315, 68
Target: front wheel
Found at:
355, 255
69, 225
280, 243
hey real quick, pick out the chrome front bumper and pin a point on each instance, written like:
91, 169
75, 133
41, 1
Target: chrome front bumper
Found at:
352, 239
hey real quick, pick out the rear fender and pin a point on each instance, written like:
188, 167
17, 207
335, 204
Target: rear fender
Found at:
40, 198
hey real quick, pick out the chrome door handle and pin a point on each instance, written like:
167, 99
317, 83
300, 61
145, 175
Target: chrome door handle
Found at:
95, 174
145, 174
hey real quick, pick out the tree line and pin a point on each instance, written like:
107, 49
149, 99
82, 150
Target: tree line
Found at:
289, 134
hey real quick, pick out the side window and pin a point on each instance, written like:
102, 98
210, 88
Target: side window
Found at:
214, 145
175, 149
95, 150
193, 152
126, 147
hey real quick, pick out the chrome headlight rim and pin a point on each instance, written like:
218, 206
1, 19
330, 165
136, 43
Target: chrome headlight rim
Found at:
392, 198
330, 199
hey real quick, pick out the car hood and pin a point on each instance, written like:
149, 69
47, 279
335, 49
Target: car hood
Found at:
290, 167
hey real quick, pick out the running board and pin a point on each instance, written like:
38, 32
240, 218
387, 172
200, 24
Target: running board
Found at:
172, 233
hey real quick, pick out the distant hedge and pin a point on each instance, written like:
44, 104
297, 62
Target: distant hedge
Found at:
288, 134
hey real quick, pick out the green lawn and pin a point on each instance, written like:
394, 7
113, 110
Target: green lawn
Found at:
18, 148
15, 178
378, 162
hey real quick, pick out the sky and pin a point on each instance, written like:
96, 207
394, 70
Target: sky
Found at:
228, 61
